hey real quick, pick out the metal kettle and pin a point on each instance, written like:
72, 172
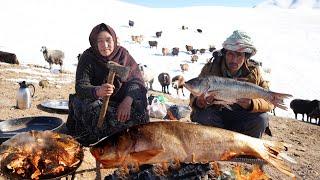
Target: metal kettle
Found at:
24, 95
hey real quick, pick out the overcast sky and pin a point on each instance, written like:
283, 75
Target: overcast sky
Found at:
184, 3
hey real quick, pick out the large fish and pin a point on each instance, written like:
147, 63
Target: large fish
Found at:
227, 90
160, 142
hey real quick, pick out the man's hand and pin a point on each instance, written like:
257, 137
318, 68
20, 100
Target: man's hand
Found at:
244, 103
105, 90
123, 112
202, 101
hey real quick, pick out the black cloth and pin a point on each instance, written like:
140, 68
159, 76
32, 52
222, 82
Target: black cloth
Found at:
84, 114
234, 119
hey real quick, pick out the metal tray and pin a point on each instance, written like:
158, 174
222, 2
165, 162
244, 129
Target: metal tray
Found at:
56, 104
9, 128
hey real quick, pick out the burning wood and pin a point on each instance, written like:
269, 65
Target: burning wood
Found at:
39, 154
189, 171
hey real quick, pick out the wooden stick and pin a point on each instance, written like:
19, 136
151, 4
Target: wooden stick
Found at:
105, 101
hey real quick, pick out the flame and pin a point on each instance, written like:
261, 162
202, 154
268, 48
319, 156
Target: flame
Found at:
256, 174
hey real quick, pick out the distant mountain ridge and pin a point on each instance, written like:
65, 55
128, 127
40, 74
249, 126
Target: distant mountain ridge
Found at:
290, 4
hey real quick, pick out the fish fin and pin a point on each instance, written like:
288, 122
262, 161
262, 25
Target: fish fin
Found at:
275, 157
143, 156
211, 93
277, 99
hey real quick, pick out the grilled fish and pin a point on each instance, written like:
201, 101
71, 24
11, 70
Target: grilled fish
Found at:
161, 142
227, 90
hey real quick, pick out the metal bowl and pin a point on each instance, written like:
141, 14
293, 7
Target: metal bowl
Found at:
61, 105
12, 127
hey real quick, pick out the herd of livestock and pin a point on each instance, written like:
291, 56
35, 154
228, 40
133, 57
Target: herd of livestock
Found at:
310, 108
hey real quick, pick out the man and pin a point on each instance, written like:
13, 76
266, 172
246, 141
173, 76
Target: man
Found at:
247, 116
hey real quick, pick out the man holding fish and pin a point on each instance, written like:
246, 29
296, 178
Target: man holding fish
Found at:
230, 92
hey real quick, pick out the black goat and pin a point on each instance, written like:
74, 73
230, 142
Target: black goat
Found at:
131, 23
164, 80
8, 58
158, 34
175, 51
301, 106
153, 44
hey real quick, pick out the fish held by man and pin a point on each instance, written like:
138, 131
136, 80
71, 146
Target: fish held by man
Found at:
227, 91
163, 142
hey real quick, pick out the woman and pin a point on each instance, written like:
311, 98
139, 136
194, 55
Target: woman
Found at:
128, 102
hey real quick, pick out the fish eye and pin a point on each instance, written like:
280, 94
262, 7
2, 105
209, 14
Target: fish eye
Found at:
100, 151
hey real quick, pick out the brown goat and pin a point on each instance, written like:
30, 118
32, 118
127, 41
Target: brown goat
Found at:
189, 47
165, 51
137, 39
178, 83
184, 67
194, 58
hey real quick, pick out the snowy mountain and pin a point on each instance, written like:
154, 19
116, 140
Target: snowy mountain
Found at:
290, 4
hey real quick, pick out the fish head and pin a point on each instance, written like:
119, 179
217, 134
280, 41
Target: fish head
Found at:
112, 153
197, 86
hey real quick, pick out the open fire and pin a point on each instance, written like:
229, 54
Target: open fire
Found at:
39, 155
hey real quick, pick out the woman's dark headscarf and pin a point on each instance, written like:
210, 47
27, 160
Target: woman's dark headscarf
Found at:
119, 55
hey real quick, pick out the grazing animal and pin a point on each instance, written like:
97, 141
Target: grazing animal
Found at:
178, 83
165, 51
315, 114
164, 80
153, 44
189, 48
301, 106
194, 51
131, 23
199, 30
212, 48
175, 51
44, 83
194, 58
202, 51
158, 34
137, 39
184, 67
184, 27
8, 58
53, 56
147, 75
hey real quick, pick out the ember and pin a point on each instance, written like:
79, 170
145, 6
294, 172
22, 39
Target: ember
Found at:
39, 154
188, 171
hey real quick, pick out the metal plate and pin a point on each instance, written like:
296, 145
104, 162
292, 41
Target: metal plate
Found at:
9, 128
56, 104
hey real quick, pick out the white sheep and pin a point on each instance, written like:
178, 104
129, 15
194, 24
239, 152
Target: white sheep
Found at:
53, 56
147, 74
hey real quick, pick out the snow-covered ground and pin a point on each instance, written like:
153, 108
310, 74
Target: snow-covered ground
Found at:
287, 39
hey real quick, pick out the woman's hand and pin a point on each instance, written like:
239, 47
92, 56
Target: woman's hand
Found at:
244, 103
105, 90
123, 112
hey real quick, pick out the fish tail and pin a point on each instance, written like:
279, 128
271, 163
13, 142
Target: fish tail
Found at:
277, 99
273, 154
